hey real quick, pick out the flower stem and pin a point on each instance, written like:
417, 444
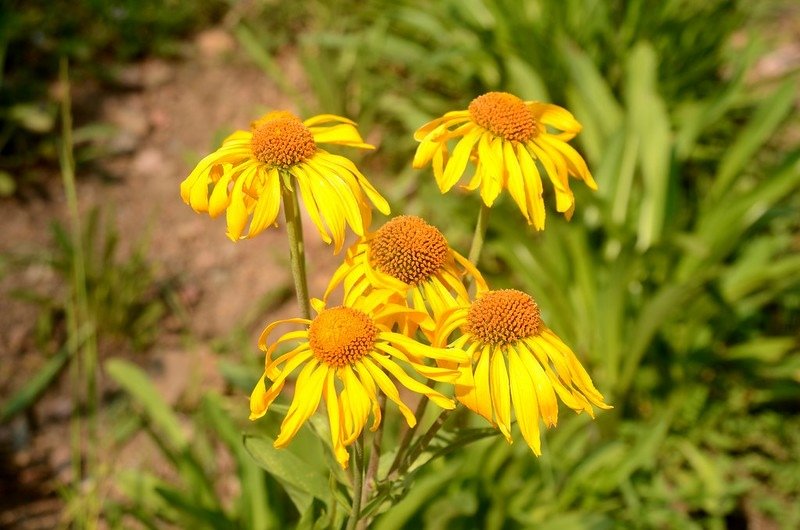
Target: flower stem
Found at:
372, 466
294, 229
408, 435
84, 369
480, 234
358, 482
424, 441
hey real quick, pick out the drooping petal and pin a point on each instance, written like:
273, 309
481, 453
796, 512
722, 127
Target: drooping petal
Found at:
334, 409
501, 398
268, 204
308, 392
411, 383
525, 404
388, 388
455, 167
357, 403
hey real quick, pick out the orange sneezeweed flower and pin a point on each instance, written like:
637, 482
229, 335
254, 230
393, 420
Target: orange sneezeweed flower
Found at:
243, 178
515, 360
505, 137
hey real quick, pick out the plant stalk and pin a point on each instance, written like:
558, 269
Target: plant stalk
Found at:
372, 466
480, 234
294, 229
358, 483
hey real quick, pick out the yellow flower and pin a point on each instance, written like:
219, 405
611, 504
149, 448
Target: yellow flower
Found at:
244, 176
408, 261
354, 345
505, 136
516, 359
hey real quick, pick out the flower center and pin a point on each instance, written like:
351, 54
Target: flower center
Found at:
409, 249
281, 139
341, 335
504, 115
503, 317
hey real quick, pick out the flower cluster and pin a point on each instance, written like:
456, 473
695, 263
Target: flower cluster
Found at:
406, 313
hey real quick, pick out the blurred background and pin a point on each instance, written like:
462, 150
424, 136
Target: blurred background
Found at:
128, 337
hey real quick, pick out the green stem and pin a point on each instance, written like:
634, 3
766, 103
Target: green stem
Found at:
480, 234
294, 229
84, 370
358, 482
424, 441
372, 466
405, 441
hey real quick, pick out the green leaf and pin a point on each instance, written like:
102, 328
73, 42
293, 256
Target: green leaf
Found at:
197, 514
253, 500
136, 383
303, 480
763, 125
35, 387
649, 122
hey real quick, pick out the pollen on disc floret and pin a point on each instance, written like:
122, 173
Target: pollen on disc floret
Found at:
503, 317
341, 335
504, 115
408, 249
282, 141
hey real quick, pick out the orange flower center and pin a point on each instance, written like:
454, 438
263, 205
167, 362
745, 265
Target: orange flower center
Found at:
503, 317
409, 249
504, 115
341, 335
281, 139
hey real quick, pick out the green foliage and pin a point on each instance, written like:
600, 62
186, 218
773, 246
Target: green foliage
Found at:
194, 499
124, 297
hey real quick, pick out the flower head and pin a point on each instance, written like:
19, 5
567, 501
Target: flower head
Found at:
515, 360
243, 178
410, 262
347, 355
505, 136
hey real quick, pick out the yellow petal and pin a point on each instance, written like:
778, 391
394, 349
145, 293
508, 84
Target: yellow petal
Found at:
545, 393
575, 162
483, 395
343, 162
236, 214
372, 391
450, 118
342, 134
334, 420
525, 405
555, 116
501, 398
258, 402
357, 402
458, 163
268, 204
419, 349
220, 198
329, 206
262, 339
533, 186
516, 184
491, 158
325, 118
309, 201
411, 383
388, 388
307, 393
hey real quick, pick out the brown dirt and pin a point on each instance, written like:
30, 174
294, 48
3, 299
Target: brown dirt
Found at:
172, 116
